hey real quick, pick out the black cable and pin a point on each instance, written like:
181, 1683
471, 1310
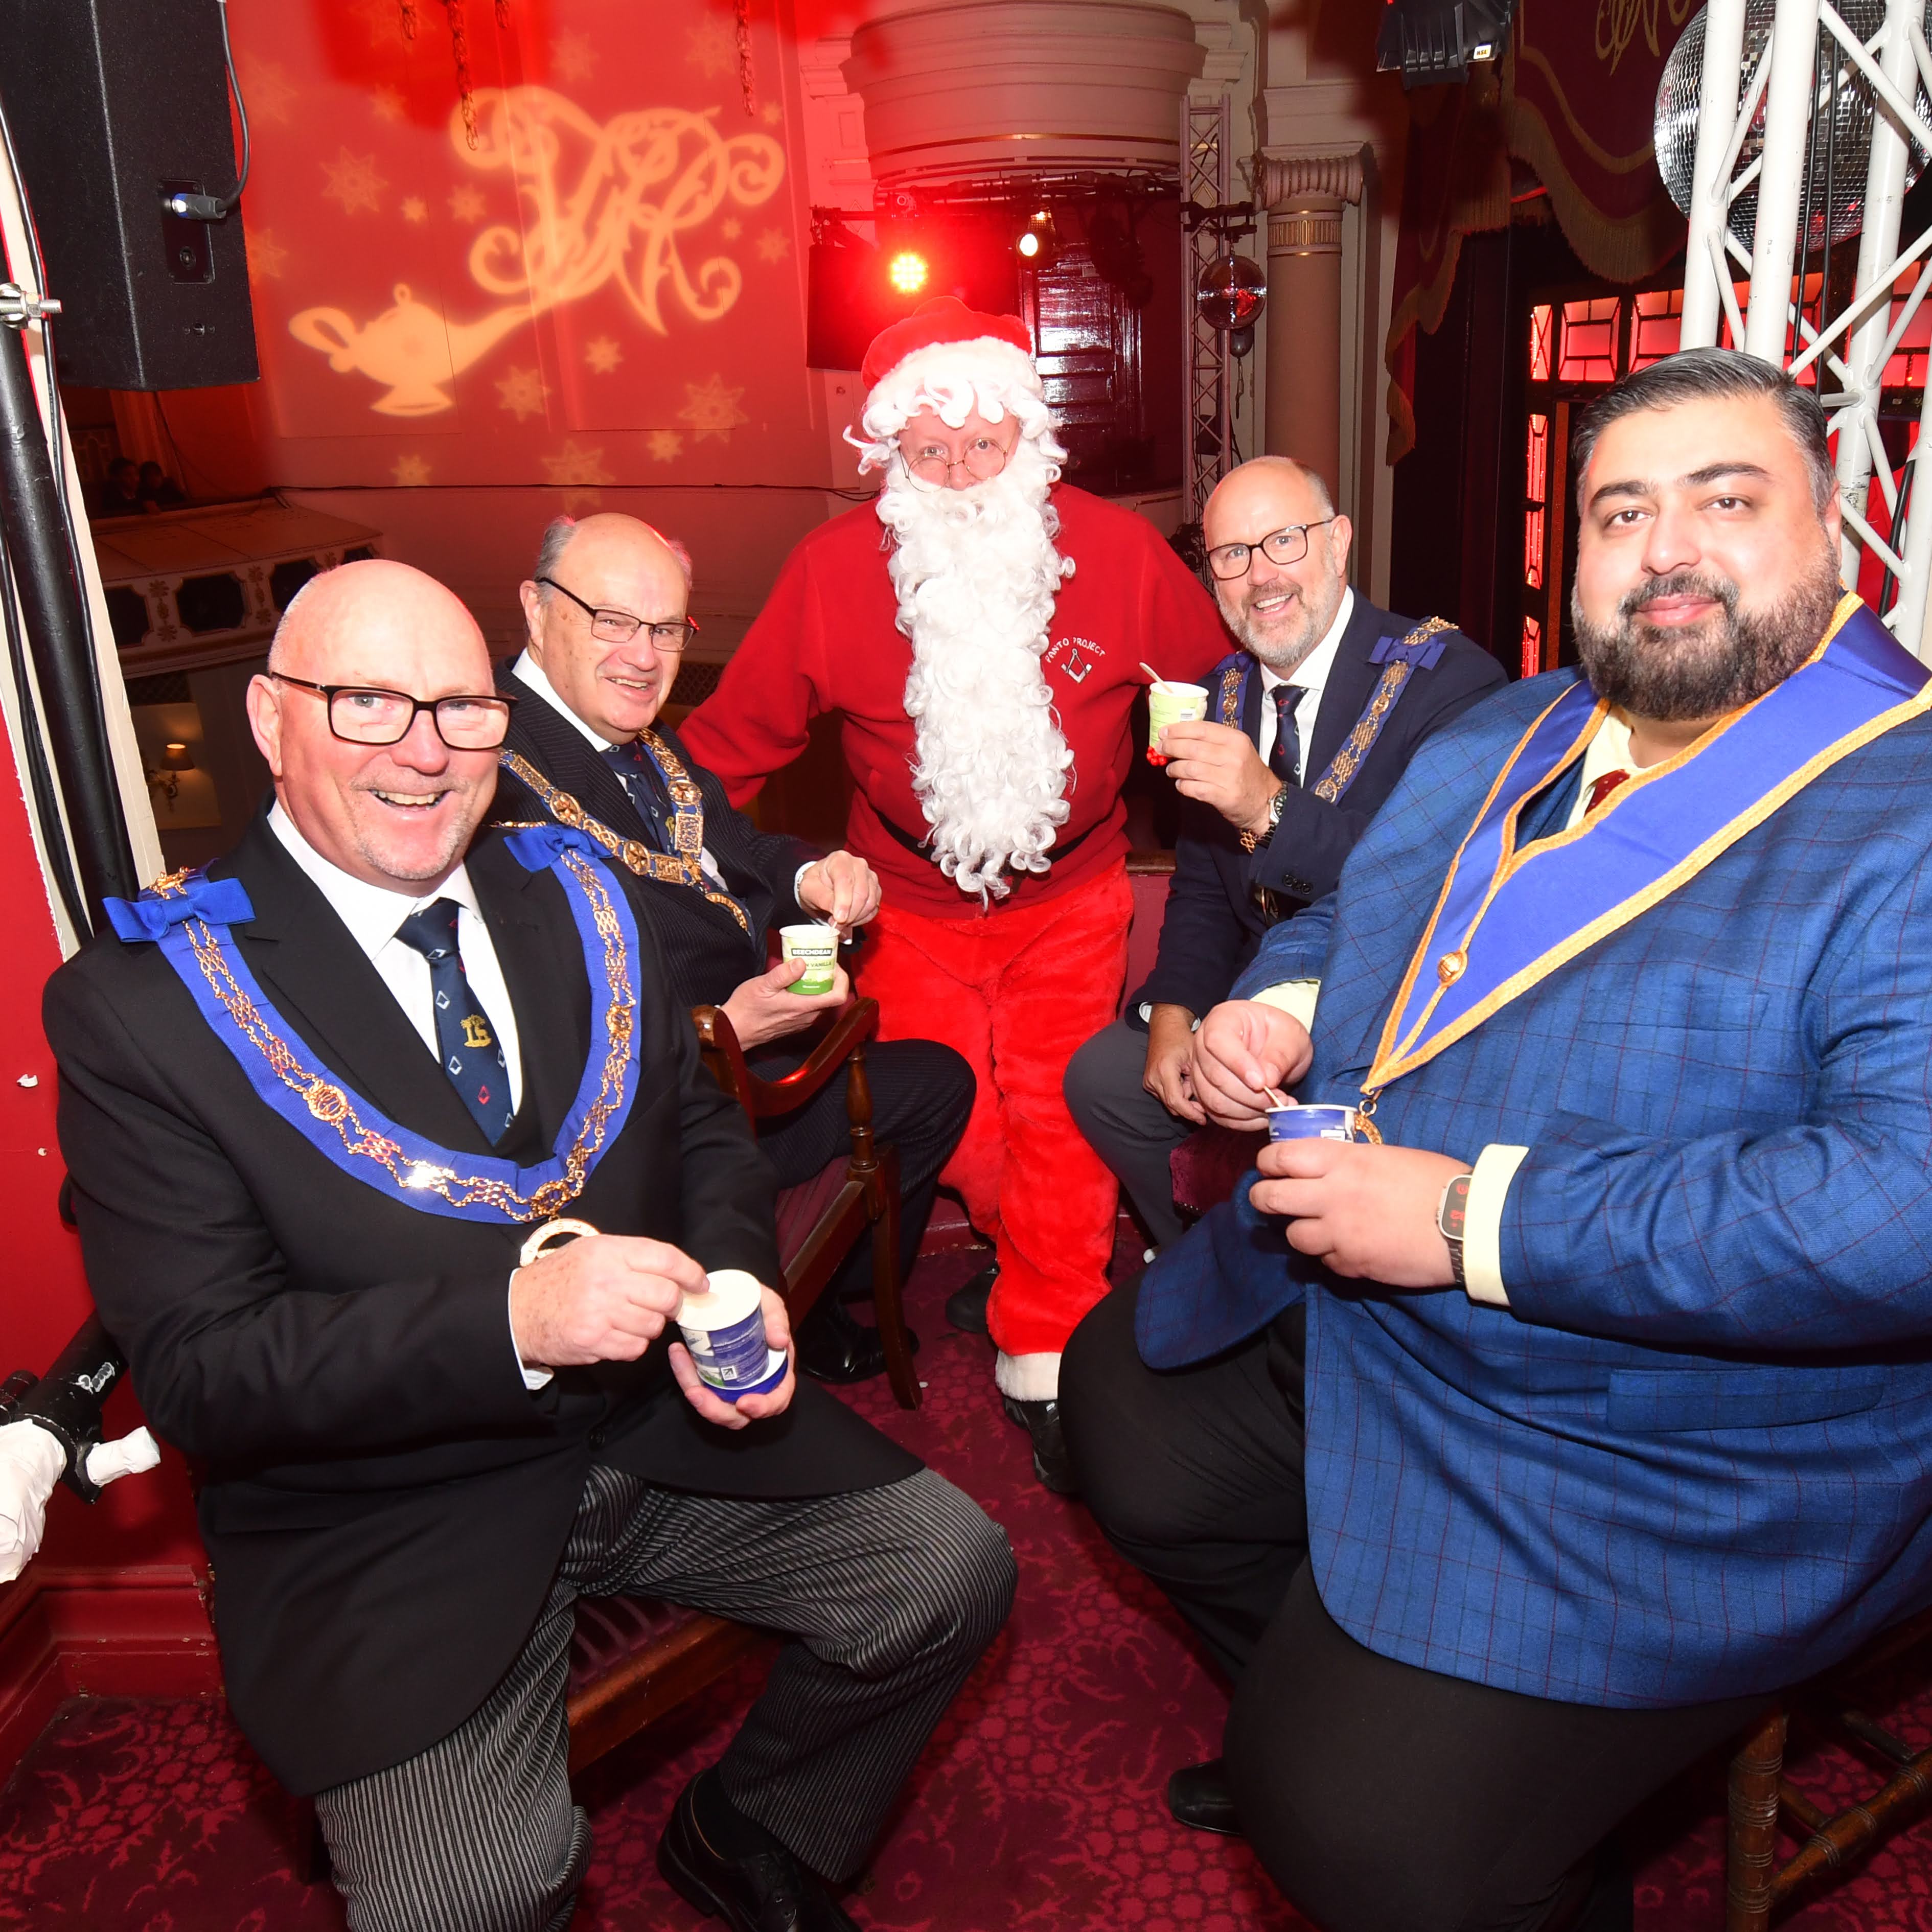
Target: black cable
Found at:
57, 457
40, 775
217, 207
241, 111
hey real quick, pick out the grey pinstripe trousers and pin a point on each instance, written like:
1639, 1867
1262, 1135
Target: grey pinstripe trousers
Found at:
892, 1593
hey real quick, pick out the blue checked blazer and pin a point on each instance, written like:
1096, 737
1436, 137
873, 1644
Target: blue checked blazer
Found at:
1693, 1459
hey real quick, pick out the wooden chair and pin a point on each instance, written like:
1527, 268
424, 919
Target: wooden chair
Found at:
1762, 1797
632, 1659
821, 1219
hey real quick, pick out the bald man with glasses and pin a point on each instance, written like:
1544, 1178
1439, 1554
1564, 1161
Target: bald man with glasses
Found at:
606, 611
1311, 723
323, 1105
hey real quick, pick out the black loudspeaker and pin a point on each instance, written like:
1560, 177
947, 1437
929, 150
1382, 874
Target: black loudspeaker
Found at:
114, 103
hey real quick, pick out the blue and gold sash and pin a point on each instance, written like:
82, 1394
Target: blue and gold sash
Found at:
1508, 917
1400, 658
683, 865
188, 916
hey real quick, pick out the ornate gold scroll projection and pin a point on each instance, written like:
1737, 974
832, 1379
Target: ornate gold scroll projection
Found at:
641, 181
1619, 22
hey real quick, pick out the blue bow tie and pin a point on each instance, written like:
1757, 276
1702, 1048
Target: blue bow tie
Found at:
216, 902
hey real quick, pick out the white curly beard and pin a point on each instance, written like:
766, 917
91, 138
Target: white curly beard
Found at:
976, 573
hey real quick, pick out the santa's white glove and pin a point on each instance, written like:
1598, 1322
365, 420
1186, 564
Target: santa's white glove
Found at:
32, 1461
109, 1462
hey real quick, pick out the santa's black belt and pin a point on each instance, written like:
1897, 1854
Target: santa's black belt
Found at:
900, 836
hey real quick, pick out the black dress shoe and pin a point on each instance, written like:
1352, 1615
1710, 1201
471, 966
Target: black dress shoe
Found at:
1050, 1463
833, 1348
769, 1892
966, 1307
1198, 1796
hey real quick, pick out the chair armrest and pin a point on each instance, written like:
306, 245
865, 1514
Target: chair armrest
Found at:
855, 1025
717, 1042
760, 1099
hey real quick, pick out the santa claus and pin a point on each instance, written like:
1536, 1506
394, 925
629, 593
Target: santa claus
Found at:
978, 628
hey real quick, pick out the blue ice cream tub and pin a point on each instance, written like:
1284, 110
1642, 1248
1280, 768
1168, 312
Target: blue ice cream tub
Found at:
1322, 1122
724, 1330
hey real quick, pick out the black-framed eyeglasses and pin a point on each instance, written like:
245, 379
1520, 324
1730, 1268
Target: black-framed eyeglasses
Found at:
1229, 561
619, 627
361, 714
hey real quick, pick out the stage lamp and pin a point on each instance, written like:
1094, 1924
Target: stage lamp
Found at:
1430, 40
1039, 241
908, 272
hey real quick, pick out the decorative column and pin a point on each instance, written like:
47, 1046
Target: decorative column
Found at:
1304, 195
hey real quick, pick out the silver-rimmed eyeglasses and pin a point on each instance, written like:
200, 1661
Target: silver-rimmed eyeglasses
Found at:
361, 714
619, 627
983, 459
1227, 561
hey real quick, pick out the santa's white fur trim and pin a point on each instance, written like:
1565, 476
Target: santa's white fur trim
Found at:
1027, 1377
954, 379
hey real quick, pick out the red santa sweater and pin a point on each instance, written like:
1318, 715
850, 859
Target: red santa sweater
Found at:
828, 640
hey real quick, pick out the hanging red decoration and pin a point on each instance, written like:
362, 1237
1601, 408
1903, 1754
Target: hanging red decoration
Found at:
742, 9
459, 43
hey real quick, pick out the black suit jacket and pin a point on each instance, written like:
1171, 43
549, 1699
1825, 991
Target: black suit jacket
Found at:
1214, 921
384, 1501
709, 954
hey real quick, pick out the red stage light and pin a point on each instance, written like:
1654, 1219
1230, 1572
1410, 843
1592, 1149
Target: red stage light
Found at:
908, 273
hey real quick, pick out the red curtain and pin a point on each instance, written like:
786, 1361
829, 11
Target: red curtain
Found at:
1574, 98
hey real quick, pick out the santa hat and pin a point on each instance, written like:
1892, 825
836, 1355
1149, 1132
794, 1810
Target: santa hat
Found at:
953, 360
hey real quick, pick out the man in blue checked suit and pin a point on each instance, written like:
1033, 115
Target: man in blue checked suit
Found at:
1526, 1441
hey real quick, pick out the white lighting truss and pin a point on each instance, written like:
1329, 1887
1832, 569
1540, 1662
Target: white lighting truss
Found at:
1809, 57
1207, 435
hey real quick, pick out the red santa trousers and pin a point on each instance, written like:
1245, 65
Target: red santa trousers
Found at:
1017, 991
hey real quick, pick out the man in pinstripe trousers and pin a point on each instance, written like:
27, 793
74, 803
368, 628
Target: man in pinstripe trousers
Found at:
313, 1103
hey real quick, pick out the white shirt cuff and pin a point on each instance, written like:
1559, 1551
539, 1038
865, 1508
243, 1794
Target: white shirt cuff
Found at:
1482, 1228
798, 880
533, 1378
1294, 997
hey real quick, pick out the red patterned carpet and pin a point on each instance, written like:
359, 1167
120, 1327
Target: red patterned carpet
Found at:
1038, 1804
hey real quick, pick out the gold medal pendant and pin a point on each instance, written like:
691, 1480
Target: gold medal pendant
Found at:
548, 1235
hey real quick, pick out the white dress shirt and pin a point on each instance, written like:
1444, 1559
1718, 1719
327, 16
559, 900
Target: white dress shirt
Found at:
1310, 677
532, 673
372, 914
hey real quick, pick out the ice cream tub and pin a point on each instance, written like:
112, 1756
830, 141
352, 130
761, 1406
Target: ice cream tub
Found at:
724, 1330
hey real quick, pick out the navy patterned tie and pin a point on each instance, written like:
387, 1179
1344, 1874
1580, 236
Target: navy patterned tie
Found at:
636, 774
471, 1056
1286, 752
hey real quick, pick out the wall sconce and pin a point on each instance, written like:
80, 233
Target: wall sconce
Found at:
175, 759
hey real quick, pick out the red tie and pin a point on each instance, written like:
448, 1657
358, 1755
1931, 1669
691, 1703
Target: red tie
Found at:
1602, 788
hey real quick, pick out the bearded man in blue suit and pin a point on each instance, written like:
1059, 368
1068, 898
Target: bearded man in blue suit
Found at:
1512, 1452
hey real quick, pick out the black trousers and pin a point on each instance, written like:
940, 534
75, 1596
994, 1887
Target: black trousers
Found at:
1126, 1126
921, 1094
1381, 1797
890, 1596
